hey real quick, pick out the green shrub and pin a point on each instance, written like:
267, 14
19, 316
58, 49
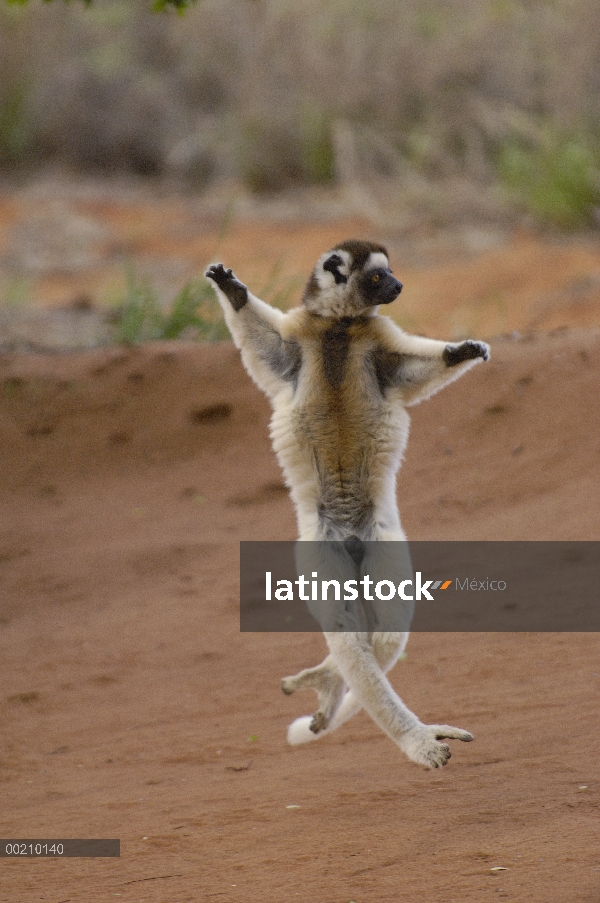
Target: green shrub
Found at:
268, 155
558, 181
193, 312
14, 134
277, 153
316, 145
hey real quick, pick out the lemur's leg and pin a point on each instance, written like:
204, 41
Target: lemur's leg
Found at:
331, 560
272, 361
387, 648
329, 686
389, 559
358, 666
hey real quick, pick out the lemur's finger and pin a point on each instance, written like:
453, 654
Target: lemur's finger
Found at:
485, 350
470, 350
214, 271
445, 732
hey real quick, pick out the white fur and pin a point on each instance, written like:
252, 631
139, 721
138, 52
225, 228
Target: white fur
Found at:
353, 674
325, 278
377, 260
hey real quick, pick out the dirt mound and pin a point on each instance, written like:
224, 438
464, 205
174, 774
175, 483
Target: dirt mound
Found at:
133, 707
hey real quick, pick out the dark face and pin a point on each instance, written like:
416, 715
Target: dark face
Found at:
379, 286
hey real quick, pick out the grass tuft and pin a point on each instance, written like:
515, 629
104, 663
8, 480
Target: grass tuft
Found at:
194, 313
558, 181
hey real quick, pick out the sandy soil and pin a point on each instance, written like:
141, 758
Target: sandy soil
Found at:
132, 707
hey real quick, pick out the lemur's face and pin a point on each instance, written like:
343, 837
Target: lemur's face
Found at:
351, 280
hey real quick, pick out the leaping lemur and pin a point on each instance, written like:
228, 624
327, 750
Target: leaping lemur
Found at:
340, 377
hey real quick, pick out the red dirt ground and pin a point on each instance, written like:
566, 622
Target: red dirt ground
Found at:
132, 707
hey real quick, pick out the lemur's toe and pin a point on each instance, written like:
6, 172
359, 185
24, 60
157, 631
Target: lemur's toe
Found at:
287, 686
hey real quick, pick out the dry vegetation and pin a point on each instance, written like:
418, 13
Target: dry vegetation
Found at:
444, 104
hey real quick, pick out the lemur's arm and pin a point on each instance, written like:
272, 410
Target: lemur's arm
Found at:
272, 361
418, 367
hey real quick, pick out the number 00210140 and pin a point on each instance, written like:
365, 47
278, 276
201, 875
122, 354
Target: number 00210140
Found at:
17, 848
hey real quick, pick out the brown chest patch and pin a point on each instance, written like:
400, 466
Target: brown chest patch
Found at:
334, 349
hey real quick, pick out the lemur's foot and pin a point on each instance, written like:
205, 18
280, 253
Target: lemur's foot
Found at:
421, 746
329, 687
466, 351
236, 291
288, 685
319, 722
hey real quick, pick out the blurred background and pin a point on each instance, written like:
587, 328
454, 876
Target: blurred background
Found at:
278, 94
439, 125
135, 148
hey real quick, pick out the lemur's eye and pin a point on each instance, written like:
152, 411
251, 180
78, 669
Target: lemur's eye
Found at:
375, 277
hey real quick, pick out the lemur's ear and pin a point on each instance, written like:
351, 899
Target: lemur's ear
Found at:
332, 265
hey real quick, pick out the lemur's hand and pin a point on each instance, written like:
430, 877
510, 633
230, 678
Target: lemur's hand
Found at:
235, 290
466, 351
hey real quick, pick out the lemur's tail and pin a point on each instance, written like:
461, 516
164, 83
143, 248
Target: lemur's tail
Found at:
299, 730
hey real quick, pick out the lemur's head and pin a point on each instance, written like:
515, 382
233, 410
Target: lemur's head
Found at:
351, 280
